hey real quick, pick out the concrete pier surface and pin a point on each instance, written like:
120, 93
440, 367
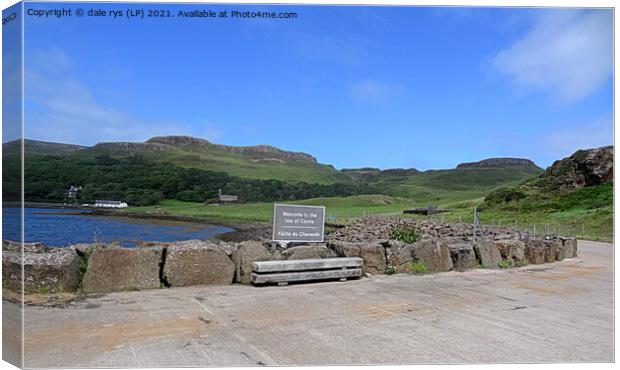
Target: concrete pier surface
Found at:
559, 312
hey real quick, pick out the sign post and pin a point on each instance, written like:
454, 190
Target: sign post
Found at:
293, 223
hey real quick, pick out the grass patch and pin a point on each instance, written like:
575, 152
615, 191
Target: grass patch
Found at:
417, 267
504, 264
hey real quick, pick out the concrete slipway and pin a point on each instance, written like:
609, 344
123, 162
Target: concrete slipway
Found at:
560, 312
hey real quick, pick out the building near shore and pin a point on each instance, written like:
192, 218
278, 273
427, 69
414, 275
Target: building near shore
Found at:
223, 198
110, 204
72, 192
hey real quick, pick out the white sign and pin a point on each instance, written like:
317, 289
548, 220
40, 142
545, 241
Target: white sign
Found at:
293, 223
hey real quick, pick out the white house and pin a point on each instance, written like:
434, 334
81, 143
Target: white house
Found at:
226, 198
110, 204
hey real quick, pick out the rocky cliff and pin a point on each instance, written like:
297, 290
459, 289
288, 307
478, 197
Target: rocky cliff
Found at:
499, 162
584, 168
255, 151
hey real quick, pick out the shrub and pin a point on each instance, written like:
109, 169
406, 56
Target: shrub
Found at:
418, 267
389, 270
504, 264
505, 195
404, 234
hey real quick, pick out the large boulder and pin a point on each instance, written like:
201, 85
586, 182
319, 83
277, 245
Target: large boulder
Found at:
397, 253
512, 250
373, 255
46, 269
301, 252
583, 168
535, 251
570, 248
433, 252
487, 253
197, 263
246, 254
118, 269
463, 255
551, 248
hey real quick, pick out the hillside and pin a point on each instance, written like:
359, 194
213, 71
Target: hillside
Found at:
467, 181
576, 190
39, 147
252, 162
169, 167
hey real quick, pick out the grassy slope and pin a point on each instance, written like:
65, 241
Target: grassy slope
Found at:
591, 223
454, 185
236, 164
587, 211
342, 209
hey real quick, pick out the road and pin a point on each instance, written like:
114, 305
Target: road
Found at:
559, 312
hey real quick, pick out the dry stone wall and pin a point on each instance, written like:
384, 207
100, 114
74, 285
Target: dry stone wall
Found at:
98, 268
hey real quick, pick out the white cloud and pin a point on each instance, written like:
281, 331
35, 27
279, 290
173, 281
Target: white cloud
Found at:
567, 53
372, 91
568, 139
61, 108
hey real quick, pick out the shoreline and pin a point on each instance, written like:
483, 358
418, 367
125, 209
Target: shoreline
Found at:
242, 230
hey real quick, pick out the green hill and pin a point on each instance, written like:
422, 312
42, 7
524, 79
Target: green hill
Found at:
39, 147
252, 162
193, 169
575, 191
468, 181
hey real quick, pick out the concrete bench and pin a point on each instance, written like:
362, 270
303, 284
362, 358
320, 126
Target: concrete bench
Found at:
283, 272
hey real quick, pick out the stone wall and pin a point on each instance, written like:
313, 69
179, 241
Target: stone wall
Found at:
96, 268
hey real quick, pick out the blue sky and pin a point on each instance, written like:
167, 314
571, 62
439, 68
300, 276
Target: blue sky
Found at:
354, 86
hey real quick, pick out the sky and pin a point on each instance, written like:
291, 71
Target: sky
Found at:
385, 87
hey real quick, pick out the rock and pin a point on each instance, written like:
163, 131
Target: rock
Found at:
118, 269
434, 253
499, 162
551, 248
463, 256
46, 269
567, 249
488, 254
12, 246
583, 168
397, 252
308, 252
248, 252
86, 250
512, 250
197, 264
535, 251
571, 245
379, 228
373, 255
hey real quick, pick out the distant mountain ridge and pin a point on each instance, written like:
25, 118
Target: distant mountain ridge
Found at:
499, 162
257, 151
268, 162
39, 147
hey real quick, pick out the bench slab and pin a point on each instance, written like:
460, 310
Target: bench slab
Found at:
307, 264
305, 275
